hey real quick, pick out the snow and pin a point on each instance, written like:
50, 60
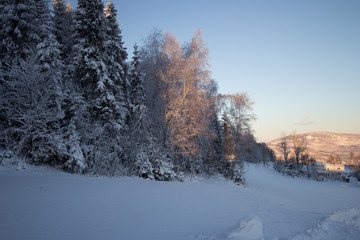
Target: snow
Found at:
343, 224
249, 228
43, 203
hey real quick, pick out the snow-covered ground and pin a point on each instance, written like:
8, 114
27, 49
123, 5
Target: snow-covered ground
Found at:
42, 203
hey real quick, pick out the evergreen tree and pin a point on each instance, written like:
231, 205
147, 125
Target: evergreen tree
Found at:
115, 38
215, 160
150, 160
76, 116
136, 91
48, 52
100, 89
75, 157
64, 30
91, 69
140, 136
18, 30
77, 131
230, 147
116, 63
31, 71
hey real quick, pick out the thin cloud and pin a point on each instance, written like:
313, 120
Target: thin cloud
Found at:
304, 123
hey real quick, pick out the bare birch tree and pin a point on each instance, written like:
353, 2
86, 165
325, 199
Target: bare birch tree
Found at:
187, 100
175, 88
284, 146
299, 145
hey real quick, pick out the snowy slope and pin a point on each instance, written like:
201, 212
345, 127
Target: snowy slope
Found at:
323, 144
41, 203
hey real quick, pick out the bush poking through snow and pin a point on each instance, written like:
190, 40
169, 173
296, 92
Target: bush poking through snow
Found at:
163, 170
234, 171
238, 176
154, 166
75, 165
144, 168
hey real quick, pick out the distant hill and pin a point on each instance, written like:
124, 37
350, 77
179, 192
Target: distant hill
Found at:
322, 145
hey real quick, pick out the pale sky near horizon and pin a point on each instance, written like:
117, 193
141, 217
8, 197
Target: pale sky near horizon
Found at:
299, 61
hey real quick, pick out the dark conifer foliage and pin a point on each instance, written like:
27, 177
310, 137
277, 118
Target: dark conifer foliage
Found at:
18, 32
114, 42
99, 74
63, 18
136, 91
116, 63
91, 69
31, 81
48, 52
139, 133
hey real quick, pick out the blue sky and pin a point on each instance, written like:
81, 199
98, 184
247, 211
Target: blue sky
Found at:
298, 60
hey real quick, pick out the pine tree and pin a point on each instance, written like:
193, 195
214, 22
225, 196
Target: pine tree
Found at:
76, 116
151, 160
77, 131
64, 28
75, 157
48, 53
140, 136
216, 157
92, 70
114, 39
49, 62
117, 65
31, 71
18, 32
59, 18
230, 147
136, 91
99, 85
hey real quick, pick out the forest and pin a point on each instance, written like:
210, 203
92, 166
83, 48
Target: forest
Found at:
71, 98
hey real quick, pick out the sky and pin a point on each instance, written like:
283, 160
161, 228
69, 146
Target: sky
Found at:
298, 60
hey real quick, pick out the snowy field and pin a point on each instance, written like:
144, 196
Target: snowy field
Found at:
42, 203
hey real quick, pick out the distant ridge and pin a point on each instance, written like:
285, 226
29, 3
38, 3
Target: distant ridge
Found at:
322, 145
